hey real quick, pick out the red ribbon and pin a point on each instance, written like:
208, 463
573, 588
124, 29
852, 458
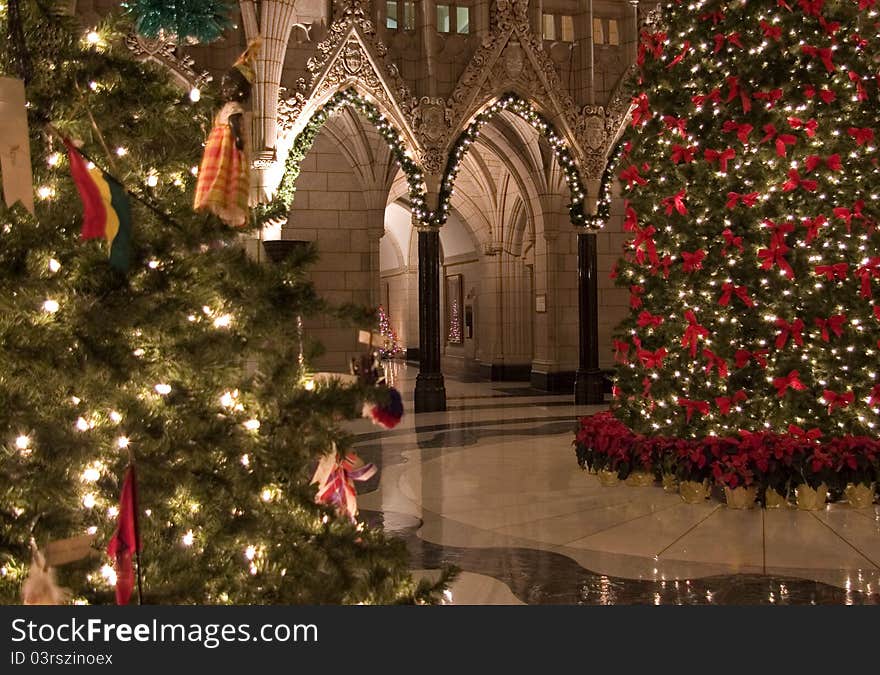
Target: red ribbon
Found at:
742, 130
812, 7
647, 319
693, 261
730, 38
714, 96
678, 124
775, 255
665, 263
795, 181
715, 361
678, 59
826, 95
770, 96
771, 31
675, 203
874, 398
813, 435
735, 90
794, 329
743, 356
634, 300
822, 53
813, 225
847, 215
830, 27
860, 88
731, 240
693, 332
724, 403
862, 136
653, 359
690, 406
682, 154
809, 126
749, 200
642, 111
632, 176
631, 219
645, 236
868, 271
651, 43
833, 324
835, 400
728, 290
621, 349
715, 17
782, 140
832, 162
722, 157
832, 272
790, 381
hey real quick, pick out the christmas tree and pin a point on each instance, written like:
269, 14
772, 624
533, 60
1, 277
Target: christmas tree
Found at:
188, 362
391, 346
750, 176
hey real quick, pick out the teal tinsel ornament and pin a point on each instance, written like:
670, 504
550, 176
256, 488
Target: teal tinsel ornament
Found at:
202, 20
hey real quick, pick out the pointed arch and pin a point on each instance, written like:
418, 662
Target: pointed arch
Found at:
512, 102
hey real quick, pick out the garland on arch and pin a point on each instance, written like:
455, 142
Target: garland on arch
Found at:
280, 204
603, 202
525, 111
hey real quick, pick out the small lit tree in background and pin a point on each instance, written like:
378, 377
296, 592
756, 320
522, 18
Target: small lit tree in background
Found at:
751, 182
391, 346
185, 360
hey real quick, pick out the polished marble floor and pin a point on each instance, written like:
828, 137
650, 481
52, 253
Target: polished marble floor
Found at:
492, 487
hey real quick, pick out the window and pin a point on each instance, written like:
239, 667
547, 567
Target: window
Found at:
444, 19
598, 32
567, 29
463, 20
549, 22
613, 33
400, 15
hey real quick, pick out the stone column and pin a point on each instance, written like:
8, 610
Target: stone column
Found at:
588, 381
430, 393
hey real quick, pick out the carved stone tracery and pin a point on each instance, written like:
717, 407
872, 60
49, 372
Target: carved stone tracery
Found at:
163, 50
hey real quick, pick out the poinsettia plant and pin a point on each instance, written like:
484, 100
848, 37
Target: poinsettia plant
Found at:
855, 460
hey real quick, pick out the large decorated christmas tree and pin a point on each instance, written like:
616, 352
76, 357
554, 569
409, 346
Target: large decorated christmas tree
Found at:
180, 354
751, 178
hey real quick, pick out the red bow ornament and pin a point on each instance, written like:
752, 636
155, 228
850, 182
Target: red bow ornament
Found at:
665, 263
642, 111
794, 330
693, 332
722, 157
730, 39
861, 136
874, 397
731, 241
775, 255
715, 361
675, 203
621, 351
631, 219
690, 406
678, 59
747, 200
646, 319
728, 290
782, 140
809, 126
645, 237
693, 261
826, 95
833, 324
832, 162
632, 176
742, 130
813, 435
770, 96
713, 96
870, 270
770, 31
832, 272
678, 124
725, 403
682, 154
813, 225
847, 215
821, 53
795, 181
743, 356
634, 300
651, 359
860, 88
790, 381
835, 400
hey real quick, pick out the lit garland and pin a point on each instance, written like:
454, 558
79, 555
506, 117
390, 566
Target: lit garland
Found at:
284, 196
557, 143
603, 203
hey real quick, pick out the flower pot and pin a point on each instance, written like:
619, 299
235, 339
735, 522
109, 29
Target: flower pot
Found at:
640, 479
670, 483
740, 497
693, 492
607, 478
809, 499
859, 495
774, 500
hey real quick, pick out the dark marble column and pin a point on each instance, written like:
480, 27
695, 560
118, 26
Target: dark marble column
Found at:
588, 381
430, 394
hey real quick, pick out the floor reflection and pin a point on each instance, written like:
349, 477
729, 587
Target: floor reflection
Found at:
545, 578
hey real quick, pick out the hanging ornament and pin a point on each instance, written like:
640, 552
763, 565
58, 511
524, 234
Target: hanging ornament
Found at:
40, 587
368, 371
335, 476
